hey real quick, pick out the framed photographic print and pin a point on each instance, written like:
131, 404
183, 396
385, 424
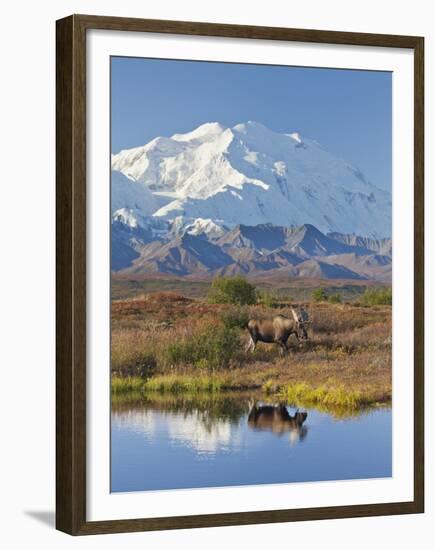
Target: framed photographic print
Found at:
239, 275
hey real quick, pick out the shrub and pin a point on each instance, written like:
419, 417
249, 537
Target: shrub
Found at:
319, 295
212, 347
235, 318
302, 394
126, 385
269, 299
181, 383
377, 297
334, 299
232, 290
132, 355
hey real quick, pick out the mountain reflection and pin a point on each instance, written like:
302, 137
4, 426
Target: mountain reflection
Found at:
206, 423
179, 441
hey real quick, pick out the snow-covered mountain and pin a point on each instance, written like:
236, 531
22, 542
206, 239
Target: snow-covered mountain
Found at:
217, 178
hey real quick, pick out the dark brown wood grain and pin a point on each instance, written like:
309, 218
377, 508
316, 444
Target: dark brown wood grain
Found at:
245, 31
419, 274
70, 277
64, 396
71, 273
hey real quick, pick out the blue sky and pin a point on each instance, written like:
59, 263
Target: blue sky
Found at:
348, 112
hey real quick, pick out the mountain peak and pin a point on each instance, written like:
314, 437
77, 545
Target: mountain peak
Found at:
296, 136
208, 130
249, 124
309, 228
252, 127
251, 175
261, 250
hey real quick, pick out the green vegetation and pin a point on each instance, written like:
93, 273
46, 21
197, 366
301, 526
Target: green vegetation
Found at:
188, 382
319, 295
129, 384
334, 298
212, 347
292, 290
335, 390
165, 342
268, 298
237, 317
232, 290
211, 405
179, 384
336, 396
377, 297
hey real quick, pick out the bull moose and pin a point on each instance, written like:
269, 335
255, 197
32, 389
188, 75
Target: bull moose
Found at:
277, 419
278, 330
302, 319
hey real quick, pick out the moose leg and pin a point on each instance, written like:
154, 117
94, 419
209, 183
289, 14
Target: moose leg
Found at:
284, 348
248, 347
253, 411
251, 344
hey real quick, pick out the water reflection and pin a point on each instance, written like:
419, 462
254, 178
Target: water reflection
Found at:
206, 423
278, 420
162, 441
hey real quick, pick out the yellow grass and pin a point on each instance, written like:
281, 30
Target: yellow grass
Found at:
171, 343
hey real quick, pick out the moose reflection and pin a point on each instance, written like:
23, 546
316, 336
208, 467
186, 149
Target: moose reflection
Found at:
277, 419
224, 439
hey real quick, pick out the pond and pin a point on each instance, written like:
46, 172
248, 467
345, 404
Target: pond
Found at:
174, 442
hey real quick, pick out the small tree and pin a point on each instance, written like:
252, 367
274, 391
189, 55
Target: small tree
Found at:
232, 290
334, 298
269, 298
377, 296
235, 317
212, 347
319, 295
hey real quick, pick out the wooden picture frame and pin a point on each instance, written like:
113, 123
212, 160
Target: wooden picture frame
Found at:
71, 273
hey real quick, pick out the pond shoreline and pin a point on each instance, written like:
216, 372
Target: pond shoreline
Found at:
170, 344
236, 437
328, 394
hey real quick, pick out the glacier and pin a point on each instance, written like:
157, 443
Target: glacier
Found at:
219, 177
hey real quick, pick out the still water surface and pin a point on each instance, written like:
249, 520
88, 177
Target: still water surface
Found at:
163, 442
